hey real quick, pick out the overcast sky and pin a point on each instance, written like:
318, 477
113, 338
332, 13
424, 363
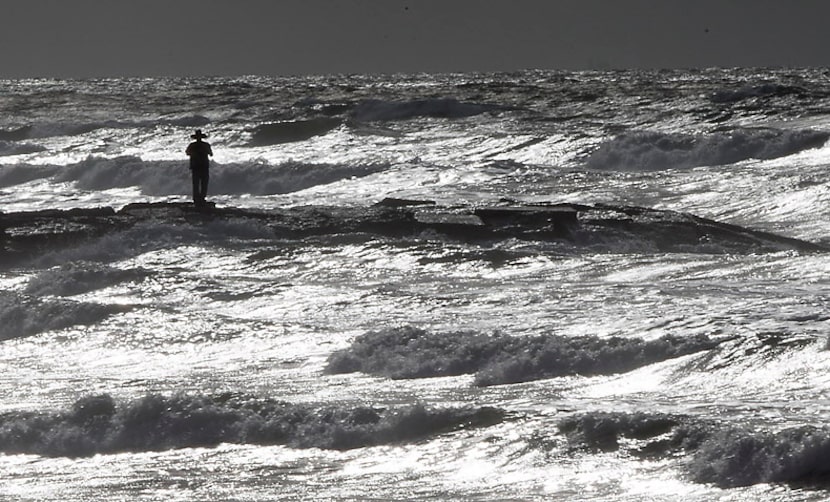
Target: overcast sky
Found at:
83, 38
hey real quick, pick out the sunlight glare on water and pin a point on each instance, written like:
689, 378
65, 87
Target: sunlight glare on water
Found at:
265, 350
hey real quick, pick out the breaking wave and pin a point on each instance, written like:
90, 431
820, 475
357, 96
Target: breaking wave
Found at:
374, 110
740, 457
409, 352
22, 315
97, 424
656, 151
724, 455
602, 431
154, 178
79, 277
160, 178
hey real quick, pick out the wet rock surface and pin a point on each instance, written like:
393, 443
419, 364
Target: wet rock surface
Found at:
26, 234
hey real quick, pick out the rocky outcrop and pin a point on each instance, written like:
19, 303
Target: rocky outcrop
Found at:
25, 234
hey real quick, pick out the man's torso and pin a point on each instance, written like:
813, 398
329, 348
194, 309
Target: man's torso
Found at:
199, 152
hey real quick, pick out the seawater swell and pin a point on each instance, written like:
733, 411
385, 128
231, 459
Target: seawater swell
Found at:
17, 174
48, 130
12, 148
277, 133
171, 178
767, 90
376, 110
365, 111
98, 424
409, 352
719, 453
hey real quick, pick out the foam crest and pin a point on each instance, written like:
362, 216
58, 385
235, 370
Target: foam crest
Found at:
22, 315
409, 352
647, 151
79, 277
375, 110
98, 424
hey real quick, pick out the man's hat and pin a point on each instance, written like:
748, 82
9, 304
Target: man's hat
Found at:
198, 134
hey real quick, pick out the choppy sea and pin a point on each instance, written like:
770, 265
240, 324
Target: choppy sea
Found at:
215, 358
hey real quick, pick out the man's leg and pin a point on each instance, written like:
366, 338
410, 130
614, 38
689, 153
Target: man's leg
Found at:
196, 188
205, 178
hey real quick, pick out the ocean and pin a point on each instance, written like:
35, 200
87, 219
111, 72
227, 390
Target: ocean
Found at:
540, 285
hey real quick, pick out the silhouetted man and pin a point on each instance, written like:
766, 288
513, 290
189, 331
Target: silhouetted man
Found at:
199, 151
